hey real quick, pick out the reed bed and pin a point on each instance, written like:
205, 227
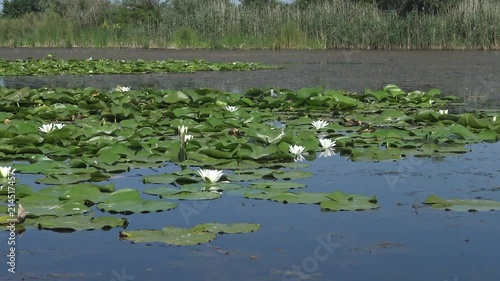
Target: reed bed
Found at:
472, 24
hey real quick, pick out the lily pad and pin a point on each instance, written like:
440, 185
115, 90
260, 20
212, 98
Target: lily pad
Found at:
163, 178
173, 193
80, 223
39, 204
287, 175
169, 235
349, 202
282, 185
228, 228
129, 201
462, 205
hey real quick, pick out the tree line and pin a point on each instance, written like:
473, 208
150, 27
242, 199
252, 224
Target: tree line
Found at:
90, 12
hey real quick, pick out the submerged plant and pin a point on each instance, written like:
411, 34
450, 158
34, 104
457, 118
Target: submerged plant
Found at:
210, 176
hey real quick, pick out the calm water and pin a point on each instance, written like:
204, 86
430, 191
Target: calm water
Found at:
472, 75
395, 242
400, 241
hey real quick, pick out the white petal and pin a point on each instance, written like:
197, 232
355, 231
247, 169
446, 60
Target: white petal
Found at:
327, 143
59, 126
210, 176
296, 149
231, 108
5, 171
187, 137
182, 130
319, 124
46, 128
327, 153
299, 158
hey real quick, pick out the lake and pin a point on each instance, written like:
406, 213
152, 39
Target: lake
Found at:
402, 240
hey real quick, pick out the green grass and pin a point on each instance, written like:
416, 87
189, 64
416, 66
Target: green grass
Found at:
473, 24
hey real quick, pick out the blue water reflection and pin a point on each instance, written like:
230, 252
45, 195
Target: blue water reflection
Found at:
400, 241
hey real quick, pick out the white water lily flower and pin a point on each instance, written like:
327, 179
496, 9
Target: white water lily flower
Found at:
327, 143
319, 124
431, 101
5, 171
122, 89
21, 213
443, 111
182, 130
494, 118
187, 137
296, 149
46, 128
210, 176
231, 108
274, 93
299, 158
58, 126
327, 153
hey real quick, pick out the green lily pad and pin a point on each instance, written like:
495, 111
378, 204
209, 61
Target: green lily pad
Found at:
39, 204
287, 175
349, 202
169, 235
64, 179
234, 228
83, 194
462, 205
173, 193
299, 198
281, 185
80, 223
163, 178
129, 201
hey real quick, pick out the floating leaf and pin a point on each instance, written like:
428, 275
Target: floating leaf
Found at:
173, 193
461, 205
163, 178
234, 228
129, 201
287, 175
169, 235
38, 204
278, 185
80, 223
349, 202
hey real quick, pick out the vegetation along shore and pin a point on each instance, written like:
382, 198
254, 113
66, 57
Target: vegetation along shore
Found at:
252, 24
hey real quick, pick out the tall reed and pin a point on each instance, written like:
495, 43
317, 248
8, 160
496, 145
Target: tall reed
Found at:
337, 24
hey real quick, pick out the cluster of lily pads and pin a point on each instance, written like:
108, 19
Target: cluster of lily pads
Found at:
53, 66
246, 144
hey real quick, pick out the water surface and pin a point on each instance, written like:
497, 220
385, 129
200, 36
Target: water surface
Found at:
402, 240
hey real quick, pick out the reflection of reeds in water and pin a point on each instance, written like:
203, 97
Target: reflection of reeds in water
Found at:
332, 24
487, 96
